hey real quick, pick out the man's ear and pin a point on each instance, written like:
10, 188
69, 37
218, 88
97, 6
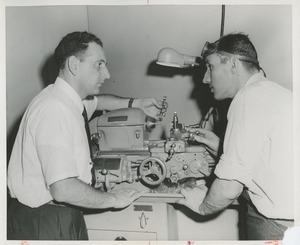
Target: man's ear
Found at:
234, 64
73, 64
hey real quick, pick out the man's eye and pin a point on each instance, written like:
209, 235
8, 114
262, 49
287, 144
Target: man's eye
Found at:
101, 64
209, 67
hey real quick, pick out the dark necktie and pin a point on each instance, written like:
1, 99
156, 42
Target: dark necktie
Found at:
88, 134
87, 129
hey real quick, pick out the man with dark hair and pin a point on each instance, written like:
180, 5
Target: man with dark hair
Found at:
49, 172
257, 159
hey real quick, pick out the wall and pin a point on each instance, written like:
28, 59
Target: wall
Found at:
32, 33
132, 37
270, 29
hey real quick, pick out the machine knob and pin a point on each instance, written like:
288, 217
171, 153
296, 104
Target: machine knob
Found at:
174, 178
137, 134
104, 172
120, 238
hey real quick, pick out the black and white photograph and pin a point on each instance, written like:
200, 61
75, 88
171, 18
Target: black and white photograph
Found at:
150, 122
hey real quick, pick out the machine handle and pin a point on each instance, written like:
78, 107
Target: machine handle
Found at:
120, 238
143, 220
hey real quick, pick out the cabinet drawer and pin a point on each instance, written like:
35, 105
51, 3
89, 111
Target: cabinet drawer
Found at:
111, 235
139, 217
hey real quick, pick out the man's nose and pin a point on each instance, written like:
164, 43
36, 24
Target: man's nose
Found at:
206, 78
106, 73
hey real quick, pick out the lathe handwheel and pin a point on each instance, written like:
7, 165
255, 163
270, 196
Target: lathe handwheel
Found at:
153, 171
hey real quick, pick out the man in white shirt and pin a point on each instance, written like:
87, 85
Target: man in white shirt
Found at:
257, 152
49, 172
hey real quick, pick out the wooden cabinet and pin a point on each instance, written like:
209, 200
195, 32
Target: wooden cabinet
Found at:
152, 218
222, 226
146, 221
139, 221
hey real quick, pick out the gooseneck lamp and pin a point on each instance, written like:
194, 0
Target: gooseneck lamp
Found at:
170, 57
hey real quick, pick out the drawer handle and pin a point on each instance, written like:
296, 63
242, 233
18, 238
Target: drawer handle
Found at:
143, 220
120, 238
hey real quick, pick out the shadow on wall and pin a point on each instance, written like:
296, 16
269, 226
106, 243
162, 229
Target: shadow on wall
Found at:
48, 74
49, 71
201, 93
205, 100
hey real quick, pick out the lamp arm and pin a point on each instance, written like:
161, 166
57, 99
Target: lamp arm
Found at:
193, 60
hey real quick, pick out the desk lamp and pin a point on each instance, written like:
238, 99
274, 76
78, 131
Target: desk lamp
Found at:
170, 57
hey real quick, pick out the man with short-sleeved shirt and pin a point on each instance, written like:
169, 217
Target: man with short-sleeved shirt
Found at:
59, 143
49, 172
257, 159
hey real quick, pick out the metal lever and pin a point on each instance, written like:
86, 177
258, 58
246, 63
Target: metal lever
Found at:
164, 106
171, 152
206, 118
143, 220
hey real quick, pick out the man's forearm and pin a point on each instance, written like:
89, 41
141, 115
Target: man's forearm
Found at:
111, 102
77, 193
207, 208
221, 194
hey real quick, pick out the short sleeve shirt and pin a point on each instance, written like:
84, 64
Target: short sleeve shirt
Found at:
51, 144
258, 146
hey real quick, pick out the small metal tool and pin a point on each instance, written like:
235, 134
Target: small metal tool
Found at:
164, 106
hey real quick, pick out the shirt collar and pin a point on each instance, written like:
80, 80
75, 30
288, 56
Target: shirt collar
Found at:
256, 77
70, 92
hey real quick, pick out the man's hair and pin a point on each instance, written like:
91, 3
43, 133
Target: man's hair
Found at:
75, 43
239, 43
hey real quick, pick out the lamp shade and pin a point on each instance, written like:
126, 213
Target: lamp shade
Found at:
170, 57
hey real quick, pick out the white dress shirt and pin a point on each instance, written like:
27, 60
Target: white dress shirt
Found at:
258, 146
51, 144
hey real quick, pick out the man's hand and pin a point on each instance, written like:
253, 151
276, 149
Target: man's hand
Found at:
193, 197
75, 192
152, 107
124, 197
206, 137
211, 160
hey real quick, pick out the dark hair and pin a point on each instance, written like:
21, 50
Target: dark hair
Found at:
74, 43
239, 43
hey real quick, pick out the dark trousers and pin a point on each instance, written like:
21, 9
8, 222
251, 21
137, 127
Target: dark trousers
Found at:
47, 222
259, 227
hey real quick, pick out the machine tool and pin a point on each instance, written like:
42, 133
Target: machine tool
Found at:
124, 153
